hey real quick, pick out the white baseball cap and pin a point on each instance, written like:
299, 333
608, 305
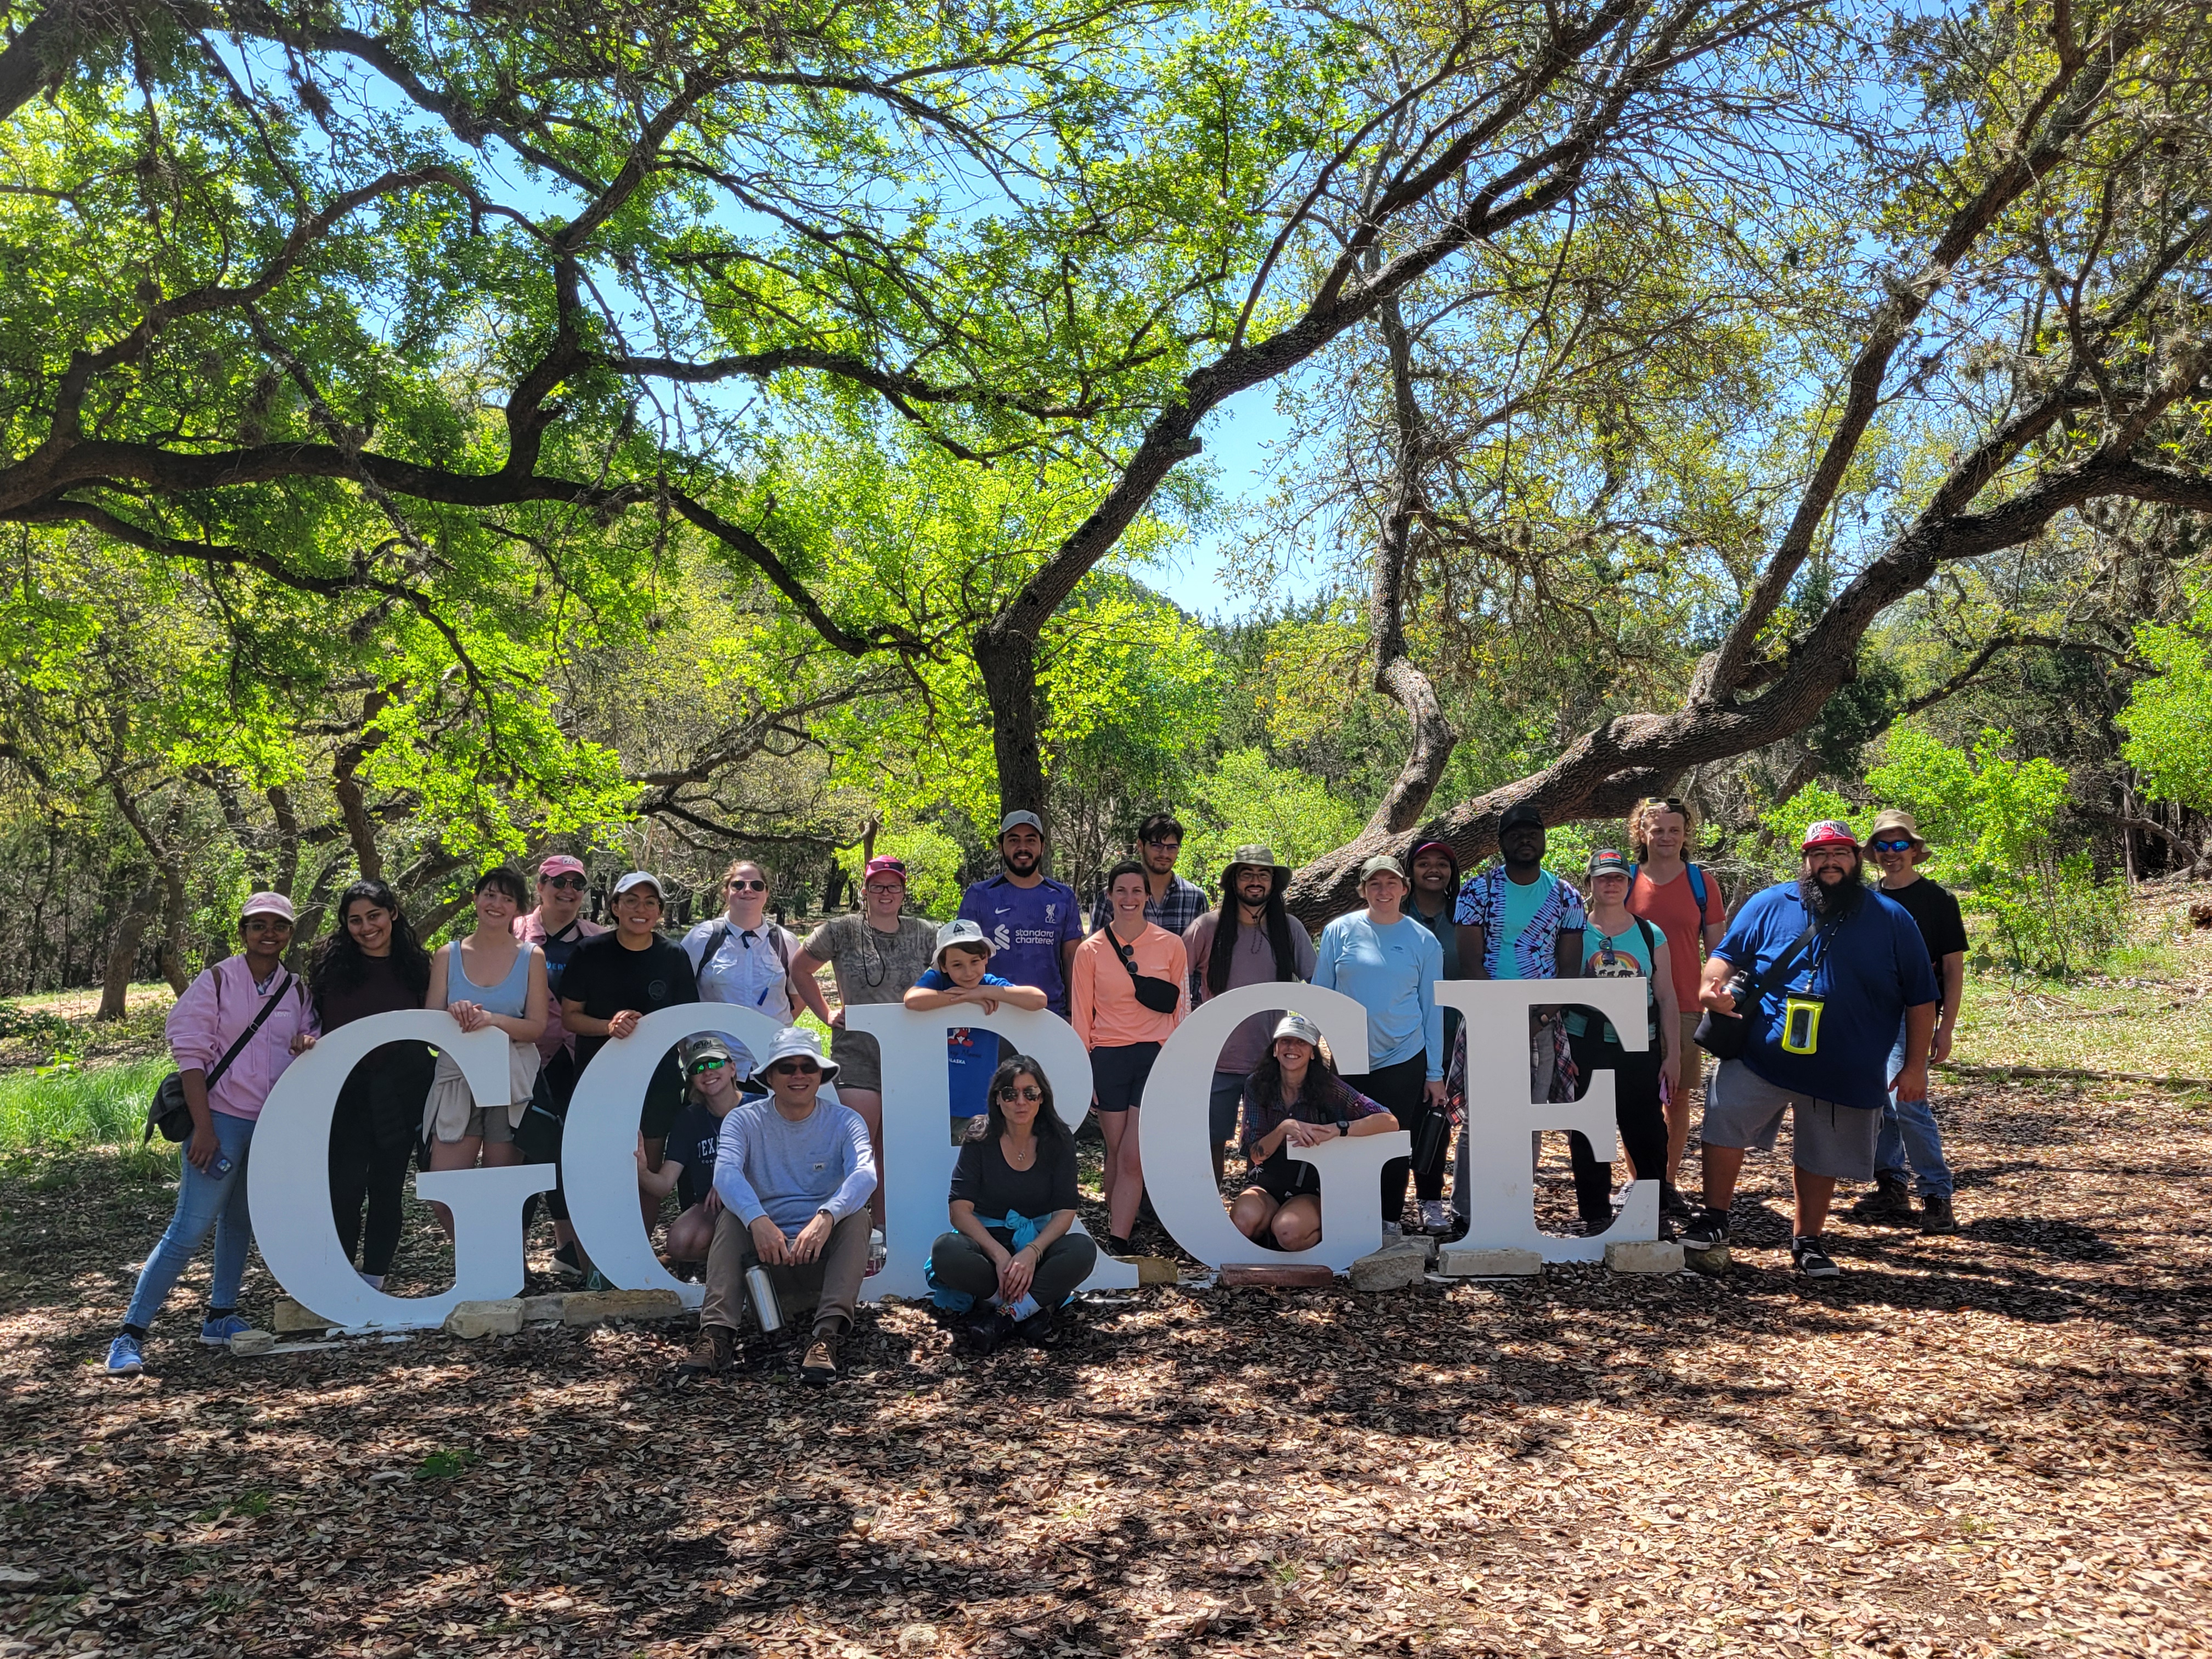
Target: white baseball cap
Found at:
641, 878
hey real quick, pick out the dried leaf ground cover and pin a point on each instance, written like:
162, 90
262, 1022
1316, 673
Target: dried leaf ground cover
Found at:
1986, 1444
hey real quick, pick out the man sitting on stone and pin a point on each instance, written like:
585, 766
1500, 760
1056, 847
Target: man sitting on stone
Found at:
795, 1173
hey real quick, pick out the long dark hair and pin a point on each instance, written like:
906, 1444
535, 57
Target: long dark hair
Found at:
1222, 954
1051, 1130
1324, 1092
340, 966
1125, 867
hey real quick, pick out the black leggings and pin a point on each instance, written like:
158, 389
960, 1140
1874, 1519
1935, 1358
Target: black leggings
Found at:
960, 1264
1398, 1089
373, 1131
1635, 1109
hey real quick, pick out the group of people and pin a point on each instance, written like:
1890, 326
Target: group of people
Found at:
1828, 995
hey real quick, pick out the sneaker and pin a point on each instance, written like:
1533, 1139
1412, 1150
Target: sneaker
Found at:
820, 1365
877, 1253
1435, 1218
1120, 1246
711, 1354
989, 1333
126, 1356
1811, 1261
568, 1261
1673, 1205
218, 1333
1889, 1204
1594, 1223
1038, 1330
375, 1281
1936, 1215
1708, 1232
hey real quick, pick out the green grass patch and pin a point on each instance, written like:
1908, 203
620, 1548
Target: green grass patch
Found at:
443, 1465
73, 1106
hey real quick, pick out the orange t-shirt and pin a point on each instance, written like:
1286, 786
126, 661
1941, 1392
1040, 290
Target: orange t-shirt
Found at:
1671, 907
1102, 1000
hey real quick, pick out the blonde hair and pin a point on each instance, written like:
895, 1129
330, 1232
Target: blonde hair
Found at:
1640, 814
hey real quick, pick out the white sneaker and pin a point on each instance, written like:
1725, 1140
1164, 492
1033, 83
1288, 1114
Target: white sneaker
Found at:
877, 1253
1435, 1218
375, 1281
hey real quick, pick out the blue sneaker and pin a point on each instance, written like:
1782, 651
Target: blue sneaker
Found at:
126, 1356
218, 1333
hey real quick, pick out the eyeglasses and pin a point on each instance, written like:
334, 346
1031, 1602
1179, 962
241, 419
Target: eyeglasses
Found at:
564, 883
1173, 844
886, 887
1891, 846
748, 884
1030, 1093
793, 1068
710, 1064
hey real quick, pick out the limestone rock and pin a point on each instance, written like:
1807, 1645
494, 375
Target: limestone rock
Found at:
593, 1307
248, 1343
1154, 1269
1393, 1267
1470, 1261
290, 1316
1277, 1275
1644, 1256
500, 1318
1714, 1262
542, 1310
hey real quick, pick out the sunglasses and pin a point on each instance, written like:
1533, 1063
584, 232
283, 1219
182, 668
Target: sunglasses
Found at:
748, 884
564, 883
1891, 846
709, 1064
793, 1068
1669, 803
1032, 1092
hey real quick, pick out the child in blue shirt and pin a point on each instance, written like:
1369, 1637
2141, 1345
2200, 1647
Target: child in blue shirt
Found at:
960, 974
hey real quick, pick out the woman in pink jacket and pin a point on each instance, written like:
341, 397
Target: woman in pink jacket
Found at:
214, 1012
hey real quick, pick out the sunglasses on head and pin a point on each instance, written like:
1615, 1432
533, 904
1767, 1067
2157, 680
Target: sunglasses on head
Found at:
1030, 1092
712, 1063
566, 884
1891, 846
1667, 803
747, 884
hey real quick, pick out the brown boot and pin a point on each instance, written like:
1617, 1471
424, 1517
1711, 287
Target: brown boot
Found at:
711, 1354
1936, 1215
820, 1365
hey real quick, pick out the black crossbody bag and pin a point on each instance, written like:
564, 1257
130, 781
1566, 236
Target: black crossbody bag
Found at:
1725, 1037
1157, 994
168, 1111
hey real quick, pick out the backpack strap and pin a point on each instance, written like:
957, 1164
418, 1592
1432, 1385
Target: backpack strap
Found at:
268, 1007
1697, 889
714, 943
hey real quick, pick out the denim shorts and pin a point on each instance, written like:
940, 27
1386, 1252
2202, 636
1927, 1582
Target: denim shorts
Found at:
1743, 1109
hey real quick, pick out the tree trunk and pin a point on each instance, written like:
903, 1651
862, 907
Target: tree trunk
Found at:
1008, 659
1396, 675
123, 949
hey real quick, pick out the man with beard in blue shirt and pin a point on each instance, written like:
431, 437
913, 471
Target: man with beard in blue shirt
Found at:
1033, 922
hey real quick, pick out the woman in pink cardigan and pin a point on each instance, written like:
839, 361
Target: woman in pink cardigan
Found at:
214, 1013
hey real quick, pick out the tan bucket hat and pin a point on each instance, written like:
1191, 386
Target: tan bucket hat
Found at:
1257, 857
1896, 821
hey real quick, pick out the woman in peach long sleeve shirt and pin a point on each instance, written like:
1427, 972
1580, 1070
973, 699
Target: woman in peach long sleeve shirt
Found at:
1123, 1033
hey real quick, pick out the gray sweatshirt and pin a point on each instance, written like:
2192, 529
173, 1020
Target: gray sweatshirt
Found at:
768, 1165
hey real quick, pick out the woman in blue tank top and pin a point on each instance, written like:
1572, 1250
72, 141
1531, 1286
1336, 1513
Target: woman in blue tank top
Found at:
488, 978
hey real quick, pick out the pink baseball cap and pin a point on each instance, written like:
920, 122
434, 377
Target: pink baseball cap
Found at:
560, 863
884, 866
267, 904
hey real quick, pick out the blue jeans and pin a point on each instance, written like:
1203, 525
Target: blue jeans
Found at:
203, 1202
1910, 1138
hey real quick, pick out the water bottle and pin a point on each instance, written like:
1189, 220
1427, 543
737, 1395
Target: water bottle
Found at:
765, 1306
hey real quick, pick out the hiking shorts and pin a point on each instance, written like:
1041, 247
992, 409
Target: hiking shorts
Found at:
1744, 1110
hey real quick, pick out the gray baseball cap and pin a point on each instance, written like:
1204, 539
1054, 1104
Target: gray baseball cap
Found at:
1298, 1026
1015, 820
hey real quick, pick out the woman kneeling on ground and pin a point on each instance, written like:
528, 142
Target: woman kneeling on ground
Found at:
1295, 1098
1012, 1205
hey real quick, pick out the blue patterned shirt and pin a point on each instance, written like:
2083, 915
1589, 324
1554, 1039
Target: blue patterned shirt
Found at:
1482, 903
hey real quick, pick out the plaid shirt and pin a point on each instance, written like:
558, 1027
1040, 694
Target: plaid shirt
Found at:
1482, 905
1183, 903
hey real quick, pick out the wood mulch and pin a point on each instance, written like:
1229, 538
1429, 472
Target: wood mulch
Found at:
1992, 1444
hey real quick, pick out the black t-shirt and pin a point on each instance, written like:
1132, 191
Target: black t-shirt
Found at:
606, 979
693, 1141
382, 989
1931, 906
982, 1178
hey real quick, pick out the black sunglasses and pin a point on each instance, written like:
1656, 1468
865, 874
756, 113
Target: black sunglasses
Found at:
1032, 1092
566, 884
747, 884
793, 1068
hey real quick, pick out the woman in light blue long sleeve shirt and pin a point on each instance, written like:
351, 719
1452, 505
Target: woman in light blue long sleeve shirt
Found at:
1389, 964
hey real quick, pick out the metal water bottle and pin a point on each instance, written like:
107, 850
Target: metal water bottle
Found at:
765, 1307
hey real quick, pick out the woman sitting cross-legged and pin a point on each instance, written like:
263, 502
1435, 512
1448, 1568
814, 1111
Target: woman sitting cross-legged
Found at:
687, 1165
1295, 1098
1013, 1203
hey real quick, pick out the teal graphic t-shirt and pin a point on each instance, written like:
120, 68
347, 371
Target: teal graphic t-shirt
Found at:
1618, 956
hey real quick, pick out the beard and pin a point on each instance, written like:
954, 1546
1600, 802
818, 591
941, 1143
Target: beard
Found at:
1023, 862
1835, 903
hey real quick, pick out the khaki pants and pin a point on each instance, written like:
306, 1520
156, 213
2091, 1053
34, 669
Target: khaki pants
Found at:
830, 1283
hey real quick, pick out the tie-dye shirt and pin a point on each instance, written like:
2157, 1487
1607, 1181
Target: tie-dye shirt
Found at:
1483, 903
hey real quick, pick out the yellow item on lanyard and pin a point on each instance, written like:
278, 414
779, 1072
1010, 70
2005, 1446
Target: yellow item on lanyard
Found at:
1800, 1025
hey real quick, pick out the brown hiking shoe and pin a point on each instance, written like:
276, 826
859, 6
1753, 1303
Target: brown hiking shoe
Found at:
711, 1354
1936, 1215
1889, 1204
820, 1365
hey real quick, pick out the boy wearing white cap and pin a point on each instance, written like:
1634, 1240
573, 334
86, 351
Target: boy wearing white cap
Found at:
960, 973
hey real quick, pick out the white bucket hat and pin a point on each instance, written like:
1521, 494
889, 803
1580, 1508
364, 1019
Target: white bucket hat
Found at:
797, 1043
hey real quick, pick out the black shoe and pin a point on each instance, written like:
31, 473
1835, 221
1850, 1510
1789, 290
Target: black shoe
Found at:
1038, 1330
1708, 1232
989, 1333
1936, 1215
1673, 1205
1811, 1261
1594, 1224
1119, 1246
1889, 1204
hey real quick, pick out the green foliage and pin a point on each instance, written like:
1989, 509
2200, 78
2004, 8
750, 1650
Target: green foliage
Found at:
1990, 821
99, 1106
1785, 825
932, 861
1246, 799
2168, 718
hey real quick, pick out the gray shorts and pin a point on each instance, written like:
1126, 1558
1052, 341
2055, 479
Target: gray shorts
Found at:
1744, 1110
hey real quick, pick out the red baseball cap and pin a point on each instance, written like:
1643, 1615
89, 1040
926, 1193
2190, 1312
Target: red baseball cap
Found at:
1826, 832
560, 863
